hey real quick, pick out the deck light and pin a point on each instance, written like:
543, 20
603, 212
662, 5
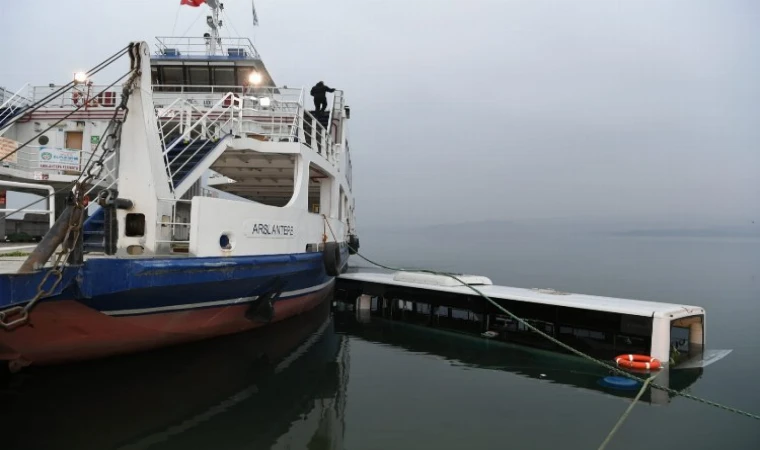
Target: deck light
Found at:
80, 77
254, 78
265, 101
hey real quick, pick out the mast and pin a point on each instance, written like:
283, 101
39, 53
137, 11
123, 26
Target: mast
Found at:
213, 39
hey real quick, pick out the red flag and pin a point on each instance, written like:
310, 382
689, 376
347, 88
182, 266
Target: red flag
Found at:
192, 2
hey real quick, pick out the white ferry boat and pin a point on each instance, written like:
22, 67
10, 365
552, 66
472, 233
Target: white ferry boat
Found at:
218, 202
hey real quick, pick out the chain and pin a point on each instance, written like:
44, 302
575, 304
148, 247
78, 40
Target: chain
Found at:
16, 316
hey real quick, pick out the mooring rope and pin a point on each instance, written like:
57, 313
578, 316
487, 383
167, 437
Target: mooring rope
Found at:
551, 338
627, 412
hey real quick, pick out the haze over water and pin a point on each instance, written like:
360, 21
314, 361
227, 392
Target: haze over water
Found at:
301, 385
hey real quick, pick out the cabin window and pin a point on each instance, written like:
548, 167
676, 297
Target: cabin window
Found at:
199, 76
242, 75
224, 76
172, 75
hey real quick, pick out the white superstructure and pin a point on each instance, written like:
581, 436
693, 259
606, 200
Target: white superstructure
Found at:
231, 165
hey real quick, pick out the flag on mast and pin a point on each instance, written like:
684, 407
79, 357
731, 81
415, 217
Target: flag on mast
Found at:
193, 3
255, 17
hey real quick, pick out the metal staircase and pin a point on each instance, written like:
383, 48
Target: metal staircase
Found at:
193, 139
186, 155
94, 233
12, 106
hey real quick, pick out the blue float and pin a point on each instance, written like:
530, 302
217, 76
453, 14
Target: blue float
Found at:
622, 383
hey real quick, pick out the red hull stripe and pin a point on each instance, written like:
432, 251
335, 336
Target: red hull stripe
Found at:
67, 330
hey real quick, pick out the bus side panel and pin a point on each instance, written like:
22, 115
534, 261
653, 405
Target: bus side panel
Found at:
661, 339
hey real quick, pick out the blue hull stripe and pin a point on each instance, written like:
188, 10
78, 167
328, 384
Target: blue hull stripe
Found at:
171, 284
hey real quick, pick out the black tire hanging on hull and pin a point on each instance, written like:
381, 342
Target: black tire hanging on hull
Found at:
332, 259
353, 244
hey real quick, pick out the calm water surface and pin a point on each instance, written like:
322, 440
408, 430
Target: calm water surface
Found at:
311, 384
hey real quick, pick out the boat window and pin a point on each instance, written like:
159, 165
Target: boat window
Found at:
242, 75
172, 75
224, 76
199, 76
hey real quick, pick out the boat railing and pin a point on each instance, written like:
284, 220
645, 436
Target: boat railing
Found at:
274, 114
86, 95
169, 47
188, 125
47, 160
11, 106
50, 211
10, 99
205, 96
298, 125
316, 136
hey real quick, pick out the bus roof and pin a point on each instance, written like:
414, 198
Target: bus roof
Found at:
442, 283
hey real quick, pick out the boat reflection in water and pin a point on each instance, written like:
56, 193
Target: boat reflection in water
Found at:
473, 351
281, 386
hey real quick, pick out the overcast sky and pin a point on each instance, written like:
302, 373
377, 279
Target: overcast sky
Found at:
469, 110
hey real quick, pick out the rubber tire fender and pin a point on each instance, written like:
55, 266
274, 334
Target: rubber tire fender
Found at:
331, 256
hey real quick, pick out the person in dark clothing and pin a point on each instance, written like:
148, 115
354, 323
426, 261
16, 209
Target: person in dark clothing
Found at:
319, 92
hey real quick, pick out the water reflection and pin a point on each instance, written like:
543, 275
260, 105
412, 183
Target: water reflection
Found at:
482, 353
278, 387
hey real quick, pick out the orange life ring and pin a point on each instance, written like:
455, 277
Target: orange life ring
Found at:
640, 362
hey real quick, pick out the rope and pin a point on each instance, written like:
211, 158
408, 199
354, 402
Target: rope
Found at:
176, 17
200, 13
626, 413
53, 95
84, 103
229, 23
552, 338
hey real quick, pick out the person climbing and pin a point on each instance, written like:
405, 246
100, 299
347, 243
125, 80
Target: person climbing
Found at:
319, 92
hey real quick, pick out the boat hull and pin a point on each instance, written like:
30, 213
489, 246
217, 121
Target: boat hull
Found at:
67, 330
163, 303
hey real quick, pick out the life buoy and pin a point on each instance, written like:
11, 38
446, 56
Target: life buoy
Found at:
332, 258
640, 362
76, 98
